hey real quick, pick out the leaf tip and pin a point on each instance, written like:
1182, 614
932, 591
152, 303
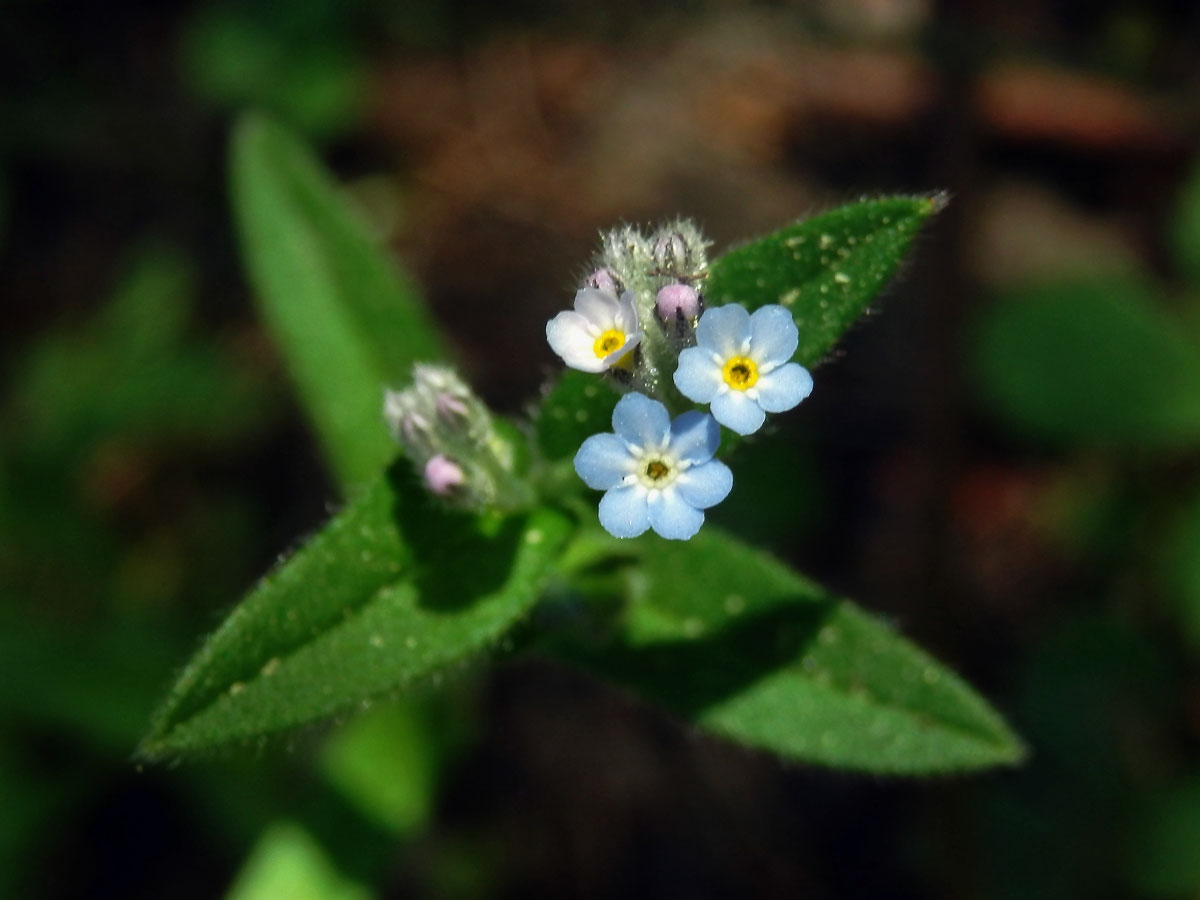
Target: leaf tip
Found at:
935, 202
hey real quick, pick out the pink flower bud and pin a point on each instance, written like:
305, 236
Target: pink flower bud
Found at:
677, 300
443, 475
602, 280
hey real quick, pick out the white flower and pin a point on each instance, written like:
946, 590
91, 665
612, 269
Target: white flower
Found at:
740, 366
598, 333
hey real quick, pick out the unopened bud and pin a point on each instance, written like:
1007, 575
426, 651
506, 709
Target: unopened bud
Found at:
415, 427
679, 251
602, 280
677, 301
671, 254
443, 475
625, 254
451, 409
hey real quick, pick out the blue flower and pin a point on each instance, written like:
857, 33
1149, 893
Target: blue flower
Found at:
657, 473
740, 366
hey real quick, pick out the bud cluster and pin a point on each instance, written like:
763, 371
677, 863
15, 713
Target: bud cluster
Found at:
663, 272
639, 319
452, 440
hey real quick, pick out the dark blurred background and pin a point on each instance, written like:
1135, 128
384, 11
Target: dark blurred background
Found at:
153, 461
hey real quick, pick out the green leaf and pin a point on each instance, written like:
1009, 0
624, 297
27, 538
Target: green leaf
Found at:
1185, 227
734, 641
1091, 361
159, 383
288, 862
826, 270
385, 762
347, 323
1180, 567
301, 63
1163, 857
576, 407
392, 593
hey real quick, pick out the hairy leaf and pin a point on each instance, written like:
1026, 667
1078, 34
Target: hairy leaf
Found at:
733, 640
1095, 361
576, 407
345, 320
826, 270
393, 592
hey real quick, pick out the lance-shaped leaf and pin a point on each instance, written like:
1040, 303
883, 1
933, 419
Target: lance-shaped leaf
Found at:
826, 269
1091, 361
344, 318
734, 641
393, 592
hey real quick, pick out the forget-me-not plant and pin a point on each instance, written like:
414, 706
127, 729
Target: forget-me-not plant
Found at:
423, 573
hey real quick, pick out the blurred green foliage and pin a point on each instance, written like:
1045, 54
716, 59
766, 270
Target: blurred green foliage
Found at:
288, 862
106, 577
347, 321
1110, 370
299, 60
1097, 362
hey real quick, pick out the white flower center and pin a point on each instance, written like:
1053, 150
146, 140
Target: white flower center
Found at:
656, 470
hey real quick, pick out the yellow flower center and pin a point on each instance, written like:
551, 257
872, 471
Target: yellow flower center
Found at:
741, 372
609, 342
656, 469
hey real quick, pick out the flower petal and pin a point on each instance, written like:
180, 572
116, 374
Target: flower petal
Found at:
698, 376
773, 336
706, 485
598, 307
672, 517
603, 460
641, 421
568, 335
725, 330
623, 511
626, 316
783, 388
737, 412
695, 437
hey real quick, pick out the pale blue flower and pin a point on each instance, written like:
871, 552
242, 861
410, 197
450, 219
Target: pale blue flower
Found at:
740, 365
657, 473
